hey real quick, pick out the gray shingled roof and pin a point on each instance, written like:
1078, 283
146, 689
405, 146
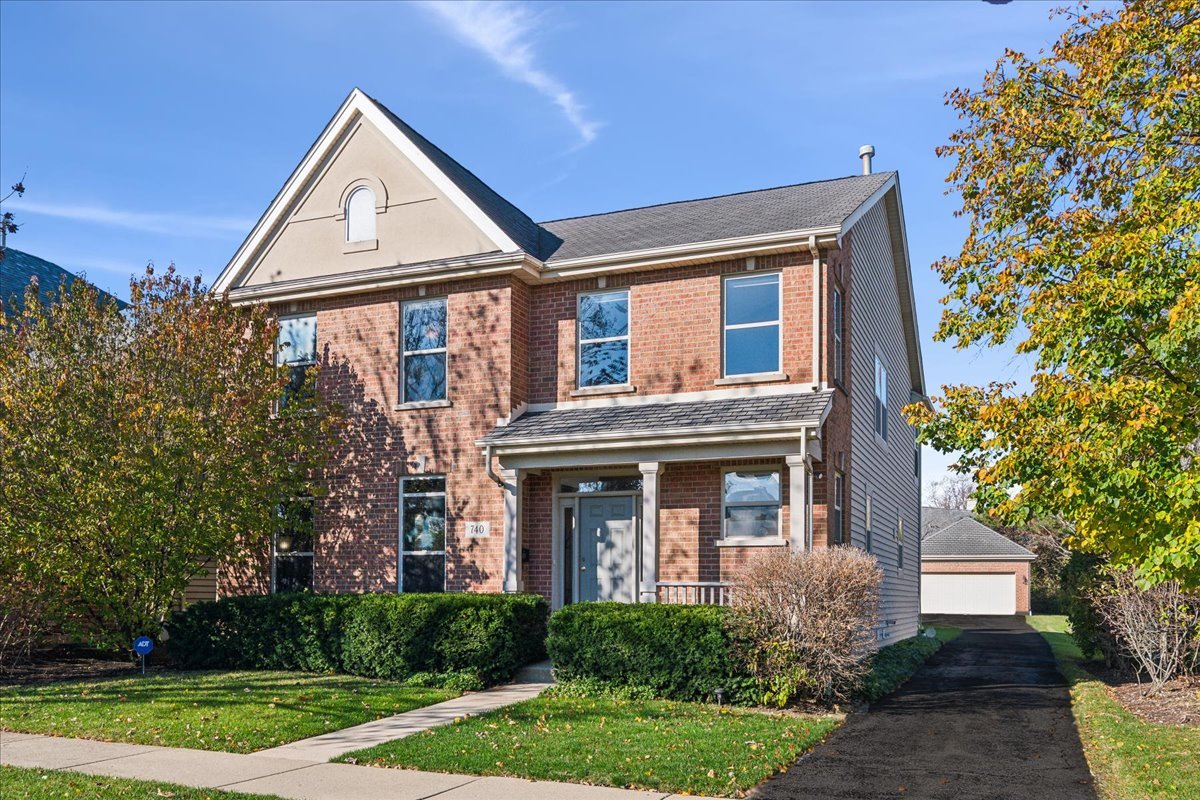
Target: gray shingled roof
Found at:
18, 268
552, 425
799, 207
948, 533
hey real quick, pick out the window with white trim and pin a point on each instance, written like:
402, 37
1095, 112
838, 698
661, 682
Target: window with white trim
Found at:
839, 498
423, 534
360, 215
603, 338
753, 328
296, 349
423, 367
750, 504
292, 546
839, 351
881, 409
868, 525
899, 542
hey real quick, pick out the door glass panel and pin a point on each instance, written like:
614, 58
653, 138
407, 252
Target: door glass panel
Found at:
589, 483
568, 551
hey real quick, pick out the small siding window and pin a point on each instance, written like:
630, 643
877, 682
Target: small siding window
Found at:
751, 504
360, 215
839, 352
423, 534
604, 338
839, 499
424, 357
869, 523
899, 542
292, 547
296, 349
753, 326
881, 409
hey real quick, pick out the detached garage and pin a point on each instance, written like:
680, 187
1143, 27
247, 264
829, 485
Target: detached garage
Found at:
968, 568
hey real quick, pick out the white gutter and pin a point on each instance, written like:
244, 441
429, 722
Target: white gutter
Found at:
487, 463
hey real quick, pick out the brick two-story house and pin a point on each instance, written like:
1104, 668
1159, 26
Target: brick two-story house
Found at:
623, 406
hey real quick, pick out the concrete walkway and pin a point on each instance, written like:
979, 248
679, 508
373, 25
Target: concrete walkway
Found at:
331, 745
289, 778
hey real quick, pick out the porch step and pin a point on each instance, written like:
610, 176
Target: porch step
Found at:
541, 672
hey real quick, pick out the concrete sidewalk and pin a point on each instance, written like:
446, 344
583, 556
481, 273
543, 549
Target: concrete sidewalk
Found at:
289, 778
331, 745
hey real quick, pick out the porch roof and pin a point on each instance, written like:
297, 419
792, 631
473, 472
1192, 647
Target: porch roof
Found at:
768, 414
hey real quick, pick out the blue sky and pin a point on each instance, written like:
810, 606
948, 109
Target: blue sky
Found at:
161, 131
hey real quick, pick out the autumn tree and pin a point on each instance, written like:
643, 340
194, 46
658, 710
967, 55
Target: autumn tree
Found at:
1079, 173
952, 490
137, 445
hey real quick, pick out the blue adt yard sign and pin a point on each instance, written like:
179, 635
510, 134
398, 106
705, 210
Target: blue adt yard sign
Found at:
142, 645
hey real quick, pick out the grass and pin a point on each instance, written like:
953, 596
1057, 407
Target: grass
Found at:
641, 744
896, 663
37, 784
237, 712
1131, 759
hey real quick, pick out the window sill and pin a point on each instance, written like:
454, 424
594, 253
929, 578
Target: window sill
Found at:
592, 391
422, 404
361, 247
758, 377
766, 541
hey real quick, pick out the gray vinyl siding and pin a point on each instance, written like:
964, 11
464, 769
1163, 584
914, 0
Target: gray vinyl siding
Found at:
882, 471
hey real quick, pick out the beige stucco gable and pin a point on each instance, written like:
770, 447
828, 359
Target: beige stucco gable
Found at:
415, 221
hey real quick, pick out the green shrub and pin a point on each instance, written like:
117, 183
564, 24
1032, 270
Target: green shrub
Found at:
1082, 579
676, 652
893, 665
470, 640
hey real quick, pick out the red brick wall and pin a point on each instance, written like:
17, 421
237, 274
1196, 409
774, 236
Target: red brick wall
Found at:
1021, 568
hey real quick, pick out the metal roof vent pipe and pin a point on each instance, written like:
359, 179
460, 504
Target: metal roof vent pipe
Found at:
866, 153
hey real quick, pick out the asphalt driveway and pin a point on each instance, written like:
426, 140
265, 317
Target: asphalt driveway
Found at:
988, 716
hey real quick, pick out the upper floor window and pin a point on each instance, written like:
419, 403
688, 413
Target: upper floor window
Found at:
751, 504
881, 409
604, 338
423, 360
839, 350
753, 328
296, 348
360, 215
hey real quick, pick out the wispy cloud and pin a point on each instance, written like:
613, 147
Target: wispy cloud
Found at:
502, 32
191, 225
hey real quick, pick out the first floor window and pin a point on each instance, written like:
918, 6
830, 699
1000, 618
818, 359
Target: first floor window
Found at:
423, 534
751, 504
870, 522
292, 568
424, 351
899, 542
839, 497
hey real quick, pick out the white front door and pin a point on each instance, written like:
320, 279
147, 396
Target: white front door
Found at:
974, 593
607, 539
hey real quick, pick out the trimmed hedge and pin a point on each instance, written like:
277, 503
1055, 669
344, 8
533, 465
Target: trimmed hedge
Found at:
489, 636
676, 652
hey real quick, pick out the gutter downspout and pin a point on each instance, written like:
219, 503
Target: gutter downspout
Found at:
487, 463
816, 311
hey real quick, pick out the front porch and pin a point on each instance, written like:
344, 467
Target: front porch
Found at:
637, 514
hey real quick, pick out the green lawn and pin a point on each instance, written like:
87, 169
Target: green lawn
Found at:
238, 712
38, 784
1131, 759
643, 744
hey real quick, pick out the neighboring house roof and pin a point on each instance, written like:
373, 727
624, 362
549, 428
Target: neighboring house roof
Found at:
18, 268
766, 413
801, 206
949, 534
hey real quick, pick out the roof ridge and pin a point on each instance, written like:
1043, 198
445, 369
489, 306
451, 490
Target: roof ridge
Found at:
712, 197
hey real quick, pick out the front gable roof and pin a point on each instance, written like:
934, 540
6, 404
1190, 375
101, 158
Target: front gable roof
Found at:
949, 534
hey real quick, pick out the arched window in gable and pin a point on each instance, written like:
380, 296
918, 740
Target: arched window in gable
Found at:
360, 215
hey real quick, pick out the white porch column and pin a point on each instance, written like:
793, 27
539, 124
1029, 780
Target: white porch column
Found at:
798, 490
512, 529
649, 590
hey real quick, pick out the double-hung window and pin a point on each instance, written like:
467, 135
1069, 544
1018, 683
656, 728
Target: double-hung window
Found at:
753, 328
839, 498
604, 338
423, 534
424, 356
751, 504
839, 350
296, 349
292, 548
881, 409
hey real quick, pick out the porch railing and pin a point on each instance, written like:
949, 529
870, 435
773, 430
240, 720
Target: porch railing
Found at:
694, 593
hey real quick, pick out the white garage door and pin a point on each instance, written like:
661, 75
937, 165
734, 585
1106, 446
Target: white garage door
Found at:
969, 594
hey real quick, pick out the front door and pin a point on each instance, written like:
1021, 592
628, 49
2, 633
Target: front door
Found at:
607, 535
